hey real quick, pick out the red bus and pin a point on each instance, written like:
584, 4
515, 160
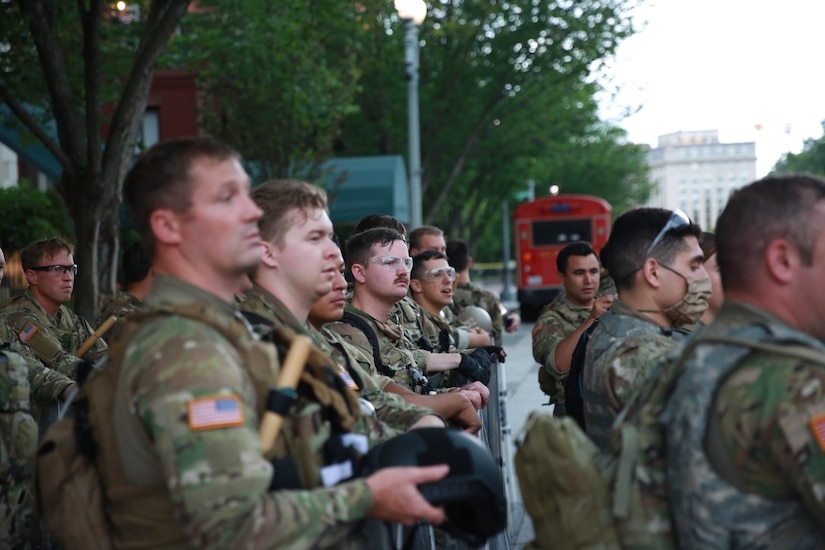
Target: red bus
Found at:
543, 227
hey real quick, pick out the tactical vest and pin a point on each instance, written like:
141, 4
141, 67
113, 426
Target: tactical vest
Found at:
131, 508
597, 410
18, 441
732, 518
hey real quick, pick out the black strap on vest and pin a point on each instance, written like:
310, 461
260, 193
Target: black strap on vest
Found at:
355, 321
573, 388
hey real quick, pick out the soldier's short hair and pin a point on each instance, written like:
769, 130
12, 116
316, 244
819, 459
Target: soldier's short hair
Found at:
774, 207
160, 179
278, 198
458, 254
707, 242
577, 248
36, 252
632, 234
418, 232
359, 246
420, 260
380, 220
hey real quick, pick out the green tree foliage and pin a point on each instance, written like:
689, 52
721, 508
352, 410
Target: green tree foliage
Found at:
507, 94
85, 69
276, 77
28, 214
811, 159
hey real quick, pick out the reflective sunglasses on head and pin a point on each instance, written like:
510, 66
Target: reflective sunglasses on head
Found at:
56, 269
437, 274
392, 262
677, 219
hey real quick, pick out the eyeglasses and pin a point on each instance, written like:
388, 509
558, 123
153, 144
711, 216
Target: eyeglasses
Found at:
438, 274
56, 269
677, 219
392, 263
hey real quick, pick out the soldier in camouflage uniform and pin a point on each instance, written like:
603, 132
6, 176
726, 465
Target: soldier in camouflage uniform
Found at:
18, 442
187, 412
284, 293
137, 278
380, 266
455, 407
48, 327
562, 322
746, 425
469, 294
653, 255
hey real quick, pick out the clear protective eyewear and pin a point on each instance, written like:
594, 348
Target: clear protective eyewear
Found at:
392, 263
56, 269
677, 219
438, 274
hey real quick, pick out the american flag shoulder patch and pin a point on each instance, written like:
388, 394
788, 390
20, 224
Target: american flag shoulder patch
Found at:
28, 332
347, 378
217, 411
818, 428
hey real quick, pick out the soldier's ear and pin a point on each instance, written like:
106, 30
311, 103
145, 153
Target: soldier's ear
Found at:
358, 273
268, 254
782, 259
165, 226
651, 272
415, 285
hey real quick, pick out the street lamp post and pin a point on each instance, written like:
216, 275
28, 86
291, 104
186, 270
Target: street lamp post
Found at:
413, 12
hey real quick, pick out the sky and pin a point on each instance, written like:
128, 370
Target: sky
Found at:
726, 65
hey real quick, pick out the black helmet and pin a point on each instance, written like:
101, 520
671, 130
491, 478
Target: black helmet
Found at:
472, 494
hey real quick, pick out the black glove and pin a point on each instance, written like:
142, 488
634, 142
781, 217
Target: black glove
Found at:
475, 366
496, 351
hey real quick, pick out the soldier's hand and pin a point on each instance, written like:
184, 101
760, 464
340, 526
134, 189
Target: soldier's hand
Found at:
476, 391
600, 305
396, 498
512, 321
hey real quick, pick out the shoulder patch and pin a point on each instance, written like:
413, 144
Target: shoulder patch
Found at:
28, 332
217, 411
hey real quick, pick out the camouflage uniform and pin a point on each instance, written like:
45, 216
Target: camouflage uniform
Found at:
469, 294
18, 441
395, 415
45, 384
53, 340
557, 320
215, 479
622, 349
396, 347
746, 444
121, 306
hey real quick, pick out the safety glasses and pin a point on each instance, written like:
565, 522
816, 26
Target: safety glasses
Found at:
438, 274
677, 219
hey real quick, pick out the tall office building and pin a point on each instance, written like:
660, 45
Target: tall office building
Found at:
694, 172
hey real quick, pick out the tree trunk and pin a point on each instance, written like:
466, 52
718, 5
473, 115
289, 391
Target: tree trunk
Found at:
97, 227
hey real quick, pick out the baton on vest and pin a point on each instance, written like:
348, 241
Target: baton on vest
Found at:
90, 341
287, 382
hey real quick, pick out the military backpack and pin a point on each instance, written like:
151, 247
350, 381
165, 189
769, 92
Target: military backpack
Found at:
581, 498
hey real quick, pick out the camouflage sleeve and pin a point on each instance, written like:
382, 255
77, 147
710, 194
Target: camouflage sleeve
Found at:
217, 477
45, 384
18, 441
629, 363
394, 356
772, 418
547, 333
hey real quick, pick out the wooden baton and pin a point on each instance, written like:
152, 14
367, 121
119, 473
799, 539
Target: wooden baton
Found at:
288, 379
90, 341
